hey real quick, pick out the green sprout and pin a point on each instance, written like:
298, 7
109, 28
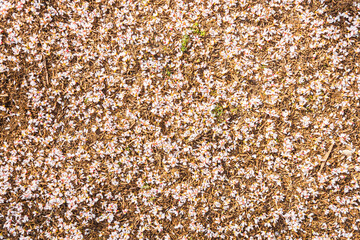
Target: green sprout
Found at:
184, 42
195, 29
218, 110
168, 72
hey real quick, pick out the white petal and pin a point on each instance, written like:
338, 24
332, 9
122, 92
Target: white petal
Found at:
347, 152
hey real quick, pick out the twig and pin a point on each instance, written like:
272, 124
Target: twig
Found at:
261, 127
46, 72
326, 157
243, 155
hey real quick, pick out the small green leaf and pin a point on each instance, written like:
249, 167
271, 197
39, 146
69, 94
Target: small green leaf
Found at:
168, 72
184, 42
218, 110
197, 31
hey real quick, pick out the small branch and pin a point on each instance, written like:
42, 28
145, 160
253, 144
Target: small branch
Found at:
326, 157
4, 95
46, 72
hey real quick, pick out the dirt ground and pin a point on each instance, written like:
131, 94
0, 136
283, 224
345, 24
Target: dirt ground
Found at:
205, 119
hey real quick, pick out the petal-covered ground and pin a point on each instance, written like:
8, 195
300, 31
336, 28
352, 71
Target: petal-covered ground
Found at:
203, 119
